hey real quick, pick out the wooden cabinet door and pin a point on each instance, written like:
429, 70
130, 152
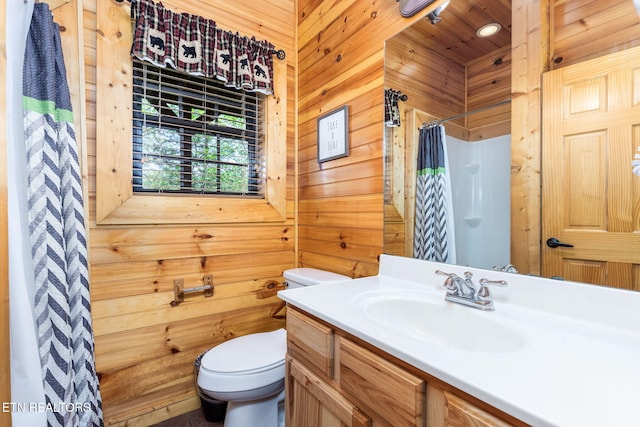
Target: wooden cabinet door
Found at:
389, 394
590, 197
311, 402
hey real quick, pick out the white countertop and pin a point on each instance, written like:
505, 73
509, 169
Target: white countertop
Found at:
578, 365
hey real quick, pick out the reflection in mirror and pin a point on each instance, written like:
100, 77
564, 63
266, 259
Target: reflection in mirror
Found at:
452, 75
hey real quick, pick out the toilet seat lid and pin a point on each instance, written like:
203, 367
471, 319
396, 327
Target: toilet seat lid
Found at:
254, 352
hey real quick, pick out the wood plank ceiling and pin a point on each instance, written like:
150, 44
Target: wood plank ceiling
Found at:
455, 36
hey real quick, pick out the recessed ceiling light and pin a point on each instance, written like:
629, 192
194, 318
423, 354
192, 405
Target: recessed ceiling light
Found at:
488, 30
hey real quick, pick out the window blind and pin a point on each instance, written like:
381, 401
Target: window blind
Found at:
195, 135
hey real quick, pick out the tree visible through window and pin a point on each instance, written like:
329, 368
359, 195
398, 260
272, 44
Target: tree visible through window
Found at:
194, 135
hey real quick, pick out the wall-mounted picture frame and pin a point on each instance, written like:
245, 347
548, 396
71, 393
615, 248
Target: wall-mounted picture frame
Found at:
333, 135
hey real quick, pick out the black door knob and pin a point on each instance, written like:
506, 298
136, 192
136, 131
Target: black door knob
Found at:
552, 242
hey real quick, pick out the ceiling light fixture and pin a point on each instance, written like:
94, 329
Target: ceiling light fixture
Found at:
488, 30
434, 16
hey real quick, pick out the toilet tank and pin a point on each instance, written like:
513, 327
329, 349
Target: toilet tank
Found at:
299, 277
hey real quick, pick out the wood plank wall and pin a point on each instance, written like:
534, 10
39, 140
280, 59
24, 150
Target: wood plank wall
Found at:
584, 30
341, 61
433, 83
489, 82
145, 348
529, 53
442, 87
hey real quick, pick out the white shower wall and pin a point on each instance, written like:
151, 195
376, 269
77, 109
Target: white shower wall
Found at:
481, 191
27, 387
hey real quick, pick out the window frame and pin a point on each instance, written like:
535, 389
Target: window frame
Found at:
116, 203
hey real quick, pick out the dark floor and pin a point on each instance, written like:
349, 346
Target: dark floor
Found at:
190, 419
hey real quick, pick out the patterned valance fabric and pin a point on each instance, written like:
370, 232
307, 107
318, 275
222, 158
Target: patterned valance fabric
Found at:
391, 109
195, 45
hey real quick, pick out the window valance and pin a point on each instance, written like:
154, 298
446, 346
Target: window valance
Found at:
195, 45
391, 109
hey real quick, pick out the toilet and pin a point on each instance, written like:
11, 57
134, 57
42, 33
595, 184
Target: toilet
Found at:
248, 371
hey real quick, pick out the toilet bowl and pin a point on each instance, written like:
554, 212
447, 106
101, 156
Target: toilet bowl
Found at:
248, 371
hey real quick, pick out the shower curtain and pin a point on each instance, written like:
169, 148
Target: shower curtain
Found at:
52, 287
433, 237
26, 379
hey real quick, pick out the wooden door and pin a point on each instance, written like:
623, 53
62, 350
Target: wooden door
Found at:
590, 197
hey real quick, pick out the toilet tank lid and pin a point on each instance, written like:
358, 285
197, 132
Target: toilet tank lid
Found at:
311, 276
247, 353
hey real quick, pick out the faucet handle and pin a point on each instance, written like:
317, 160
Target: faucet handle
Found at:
501, 283
444, 273
483, 293
451, 283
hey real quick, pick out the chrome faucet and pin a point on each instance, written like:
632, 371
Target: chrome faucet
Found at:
467, 292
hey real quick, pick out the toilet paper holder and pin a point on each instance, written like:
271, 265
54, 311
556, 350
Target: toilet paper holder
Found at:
179, 290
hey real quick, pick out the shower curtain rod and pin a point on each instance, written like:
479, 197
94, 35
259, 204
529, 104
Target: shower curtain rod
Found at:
457, 116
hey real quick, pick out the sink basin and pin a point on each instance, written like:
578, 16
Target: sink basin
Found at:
439, 322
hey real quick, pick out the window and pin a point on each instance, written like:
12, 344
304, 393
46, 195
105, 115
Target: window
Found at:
193, 135
116, 202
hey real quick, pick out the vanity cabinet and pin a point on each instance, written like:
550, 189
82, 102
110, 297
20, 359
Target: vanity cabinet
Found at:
334, 379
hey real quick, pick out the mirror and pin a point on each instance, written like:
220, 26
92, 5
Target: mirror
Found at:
447, 71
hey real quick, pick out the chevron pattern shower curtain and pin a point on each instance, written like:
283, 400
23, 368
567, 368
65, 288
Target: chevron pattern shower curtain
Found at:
432, 232
58, 243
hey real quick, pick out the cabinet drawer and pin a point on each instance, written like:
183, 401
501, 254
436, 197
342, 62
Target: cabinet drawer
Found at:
460, 413
311, 341
395, 395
